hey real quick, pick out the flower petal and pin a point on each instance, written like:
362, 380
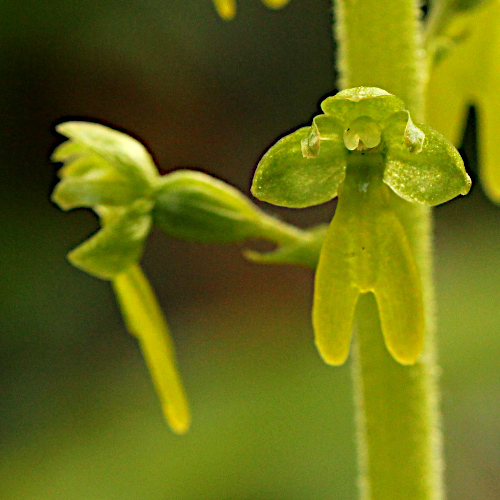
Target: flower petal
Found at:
92, 185
432, 176
286, 177
335, 294
118, 244
398, 292
123, 152
366, 250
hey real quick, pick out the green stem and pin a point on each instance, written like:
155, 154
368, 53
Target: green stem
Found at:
279, 232
379, 46
399, 441
294, 246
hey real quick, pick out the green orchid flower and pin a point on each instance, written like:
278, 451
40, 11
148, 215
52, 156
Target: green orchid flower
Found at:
227, 8
366, 150
469, 75
114, 174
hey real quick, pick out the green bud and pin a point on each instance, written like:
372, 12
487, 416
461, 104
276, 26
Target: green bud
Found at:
195, 206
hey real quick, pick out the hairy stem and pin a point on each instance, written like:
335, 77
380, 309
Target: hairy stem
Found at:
399, 441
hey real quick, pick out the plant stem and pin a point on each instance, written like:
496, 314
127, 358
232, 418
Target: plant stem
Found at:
399, 441
277, 231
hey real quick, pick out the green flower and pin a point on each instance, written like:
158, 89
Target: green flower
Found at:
365, 149
113, 174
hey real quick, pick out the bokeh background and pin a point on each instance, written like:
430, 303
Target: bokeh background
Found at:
79, 419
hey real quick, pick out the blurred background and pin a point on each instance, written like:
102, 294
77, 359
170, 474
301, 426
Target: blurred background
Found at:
79, 418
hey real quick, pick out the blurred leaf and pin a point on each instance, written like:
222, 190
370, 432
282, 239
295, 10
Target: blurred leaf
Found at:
227, 8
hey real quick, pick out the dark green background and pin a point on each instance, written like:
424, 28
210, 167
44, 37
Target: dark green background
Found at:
79, 419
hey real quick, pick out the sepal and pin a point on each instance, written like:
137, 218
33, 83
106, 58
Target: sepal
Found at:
119, 244
303, 168
127, 156
422, 166
350, 104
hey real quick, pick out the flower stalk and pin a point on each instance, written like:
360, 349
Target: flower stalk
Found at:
399, 441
